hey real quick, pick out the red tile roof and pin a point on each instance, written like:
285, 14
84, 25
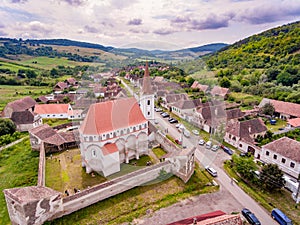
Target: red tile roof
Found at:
61, 85
219, 91
286, 147
109, 148
111, 115
287, 108
51, 108
22, 104
294, 122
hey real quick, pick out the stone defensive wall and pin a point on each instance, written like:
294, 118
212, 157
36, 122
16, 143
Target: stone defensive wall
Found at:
113, 187
42, 164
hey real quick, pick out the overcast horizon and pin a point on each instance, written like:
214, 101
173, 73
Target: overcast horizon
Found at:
155, 24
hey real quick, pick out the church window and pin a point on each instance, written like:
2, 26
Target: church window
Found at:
90, 138
148, 103
148, 113
94, 153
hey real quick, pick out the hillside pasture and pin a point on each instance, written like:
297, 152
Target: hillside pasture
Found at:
10, 93
13, 66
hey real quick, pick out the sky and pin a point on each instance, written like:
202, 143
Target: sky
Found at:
148, 24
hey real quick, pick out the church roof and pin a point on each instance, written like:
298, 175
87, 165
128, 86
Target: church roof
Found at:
147, 88
109, 148
112, 115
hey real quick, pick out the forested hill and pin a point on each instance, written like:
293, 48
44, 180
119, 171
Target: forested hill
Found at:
262, 61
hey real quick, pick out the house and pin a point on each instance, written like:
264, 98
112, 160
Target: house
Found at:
54, 111
293, 123
50, 139
242, 134
283, 110
71, 81
199, 86
185, 107
60, 87
21, 113
212, 218
24, 104
26, 120
112, 133
158, 79
285, 152
169, 99
220, 91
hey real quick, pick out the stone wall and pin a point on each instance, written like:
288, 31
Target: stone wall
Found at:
110, 188
42, 164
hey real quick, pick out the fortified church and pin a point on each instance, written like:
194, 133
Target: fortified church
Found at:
116, 131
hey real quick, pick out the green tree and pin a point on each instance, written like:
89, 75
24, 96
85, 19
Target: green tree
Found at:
271, 177
245, 166
267, 109
31, 74
7, 127
225, 82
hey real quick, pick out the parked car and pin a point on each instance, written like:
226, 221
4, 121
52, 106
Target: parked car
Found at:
250, 217
208, 145
196, 132
164, 115
173, 120
215, 148
178, 125
227, 150
178, 141
186, 133
201, 142
280, 217
211, 171
157, 109
156, 121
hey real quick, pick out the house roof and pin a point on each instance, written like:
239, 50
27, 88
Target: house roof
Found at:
158, 79
224, 220
71, 81
22, 104
47, 134
194, 85
287, 108
23, 117
219, 91
234, 113
51, 108
109, 149
294, 122
61, 85
146, 88
170, 98
187, 104
244, 129
286, 147
111, 115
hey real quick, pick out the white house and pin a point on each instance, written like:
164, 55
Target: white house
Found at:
185, 107
111, 133
57, 111
285, 152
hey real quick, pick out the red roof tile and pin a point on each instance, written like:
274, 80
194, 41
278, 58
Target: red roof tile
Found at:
51, 108
109, 148
111, 115
288, 108
294, 122
286, 147
219, 91
22, 104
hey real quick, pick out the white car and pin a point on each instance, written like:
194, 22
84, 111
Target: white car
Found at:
178, 125
215, 148
211, 171
195, 132
201, 142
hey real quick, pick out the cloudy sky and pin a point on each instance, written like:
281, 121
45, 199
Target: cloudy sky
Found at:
151, 24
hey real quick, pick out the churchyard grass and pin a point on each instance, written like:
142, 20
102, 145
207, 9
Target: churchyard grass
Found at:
18, 168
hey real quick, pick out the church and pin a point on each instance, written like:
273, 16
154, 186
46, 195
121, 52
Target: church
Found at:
116, 131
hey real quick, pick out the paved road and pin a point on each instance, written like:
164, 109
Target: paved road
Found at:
215, 159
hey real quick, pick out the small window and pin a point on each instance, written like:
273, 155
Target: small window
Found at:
292, 165
241, 145
148, 103
267, 153
94, 153
283, 160
148, 113
274, 156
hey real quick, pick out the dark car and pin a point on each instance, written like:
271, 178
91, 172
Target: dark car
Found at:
250, 217
173, 121
227, 150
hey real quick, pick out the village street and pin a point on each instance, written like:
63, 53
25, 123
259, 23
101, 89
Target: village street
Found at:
229, 199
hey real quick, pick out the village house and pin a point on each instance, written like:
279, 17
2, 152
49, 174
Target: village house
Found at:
220, 92
61, 86
201, 87
21, 113
184, 108
111, 133
283, 110
55, 111
285, 152
169, 99
293, 123
242, 134
51, 139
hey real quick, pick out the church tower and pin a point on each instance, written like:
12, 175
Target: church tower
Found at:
147, 96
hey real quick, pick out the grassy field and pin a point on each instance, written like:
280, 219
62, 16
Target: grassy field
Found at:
10, 93
134, 203
279, 124
13, 66
49, 63
159, 152
246, 99
281, 199
18, 167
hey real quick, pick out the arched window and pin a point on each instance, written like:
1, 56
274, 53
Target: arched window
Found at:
107, 136
90, 138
